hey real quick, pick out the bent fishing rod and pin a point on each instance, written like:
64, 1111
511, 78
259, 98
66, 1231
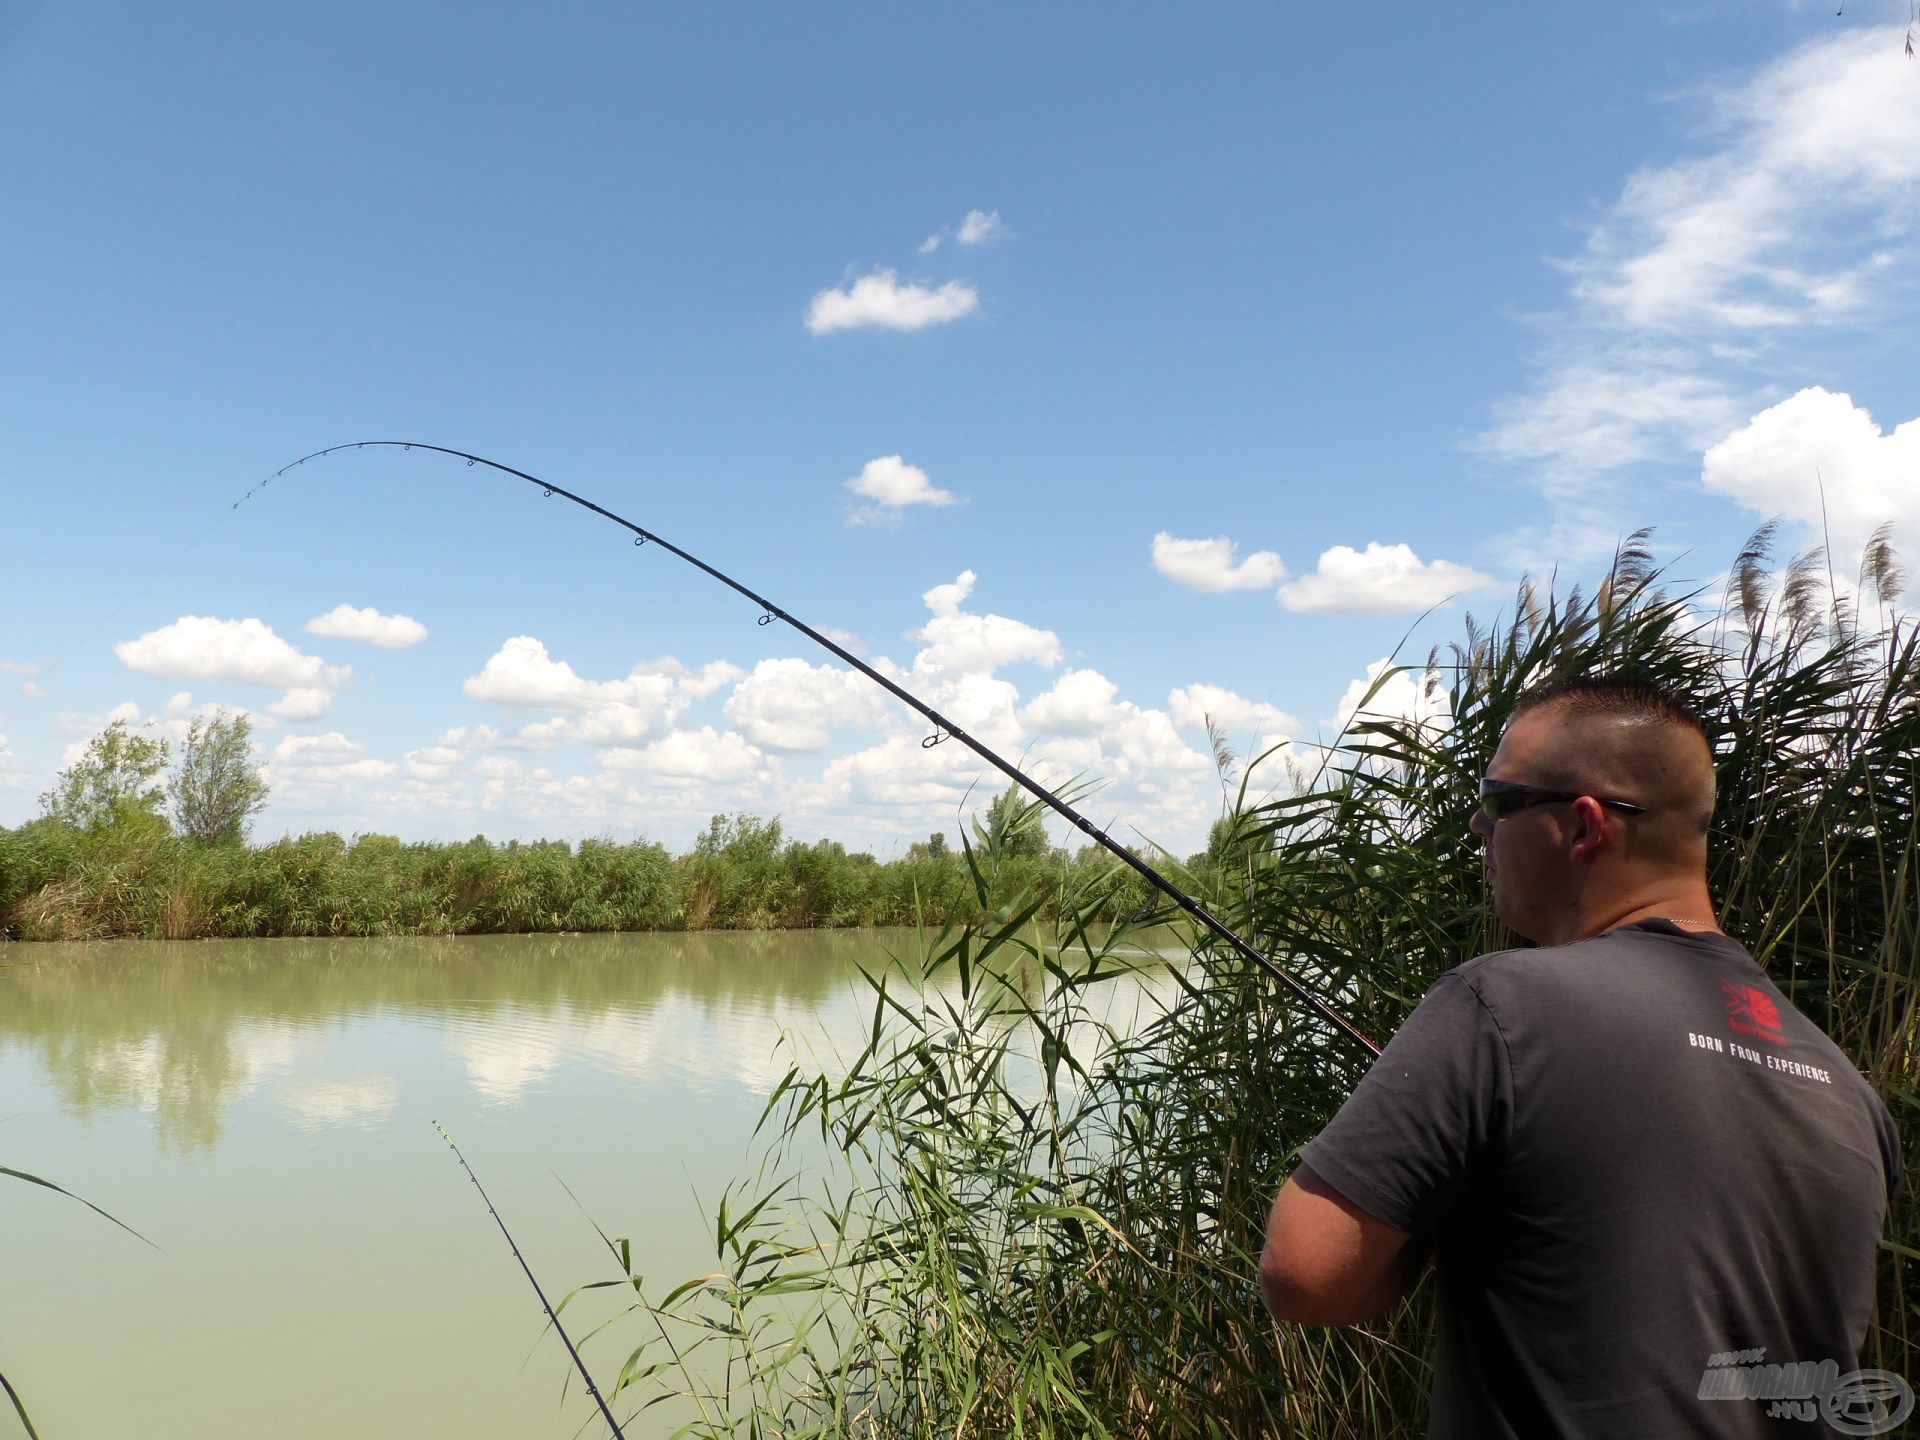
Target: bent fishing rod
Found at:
552, 1315
943, 728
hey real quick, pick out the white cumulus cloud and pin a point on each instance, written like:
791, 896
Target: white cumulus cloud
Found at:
1211, 564
882, 301
632, 711
314, 770
896, 773
1818, 459
707, 755
369, 626
957, 642
1192, 705
12, 773
892, 485
713, 676
1392, 692
980, 226
305, 702
845, 639
975, 228
619, 723
1081, 702
236, 652
462, 740
522, 673
332, 748
1380, 580
788, 704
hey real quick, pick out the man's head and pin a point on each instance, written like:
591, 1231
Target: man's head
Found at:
1561, 868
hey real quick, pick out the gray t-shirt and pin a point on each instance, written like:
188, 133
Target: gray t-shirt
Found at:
1637, 1165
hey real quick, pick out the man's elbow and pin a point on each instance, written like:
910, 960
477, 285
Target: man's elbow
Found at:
1301, 1296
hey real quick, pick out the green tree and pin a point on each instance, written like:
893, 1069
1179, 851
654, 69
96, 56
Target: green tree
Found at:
217, 788
1232, 844
113, 781
740, 837
1014, 821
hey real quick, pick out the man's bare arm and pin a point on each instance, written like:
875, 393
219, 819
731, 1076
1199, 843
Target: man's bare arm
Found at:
1327, 1262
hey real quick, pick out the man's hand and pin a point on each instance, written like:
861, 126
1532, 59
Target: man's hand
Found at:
1328, 1262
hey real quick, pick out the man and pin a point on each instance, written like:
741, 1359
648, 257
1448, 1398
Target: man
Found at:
1634, 1163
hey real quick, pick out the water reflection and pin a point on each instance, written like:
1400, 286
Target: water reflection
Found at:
364, 1100
508, 1050
186, 1030
260, 1109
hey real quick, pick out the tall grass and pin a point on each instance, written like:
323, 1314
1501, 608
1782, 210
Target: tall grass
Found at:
1009, 1215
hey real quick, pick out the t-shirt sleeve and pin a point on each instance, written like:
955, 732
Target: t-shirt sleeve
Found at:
1427, 1119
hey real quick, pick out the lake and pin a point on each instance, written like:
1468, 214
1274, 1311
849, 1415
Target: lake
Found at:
261, 1111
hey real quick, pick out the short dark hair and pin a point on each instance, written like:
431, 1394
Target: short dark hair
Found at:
1625, 696
1622, 697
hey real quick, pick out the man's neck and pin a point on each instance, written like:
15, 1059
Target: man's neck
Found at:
1689, 907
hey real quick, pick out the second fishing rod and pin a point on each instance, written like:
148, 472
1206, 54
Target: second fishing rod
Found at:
943, 729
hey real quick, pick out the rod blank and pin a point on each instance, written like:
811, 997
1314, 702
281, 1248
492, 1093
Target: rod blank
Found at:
944, 729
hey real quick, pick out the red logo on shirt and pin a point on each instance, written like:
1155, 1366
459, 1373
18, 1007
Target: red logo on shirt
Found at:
1753, 1012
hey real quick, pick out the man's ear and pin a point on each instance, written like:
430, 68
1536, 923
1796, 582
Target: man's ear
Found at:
1587, 833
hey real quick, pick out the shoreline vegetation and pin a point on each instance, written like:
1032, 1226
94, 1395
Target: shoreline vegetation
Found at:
130, 876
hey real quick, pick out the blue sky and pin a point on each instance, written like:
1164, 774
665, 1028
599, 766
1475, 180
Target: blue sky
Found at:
1214, 351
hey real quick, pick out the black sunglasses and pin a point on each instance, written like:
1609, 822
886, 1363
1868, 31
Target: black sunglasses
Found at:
1501, 798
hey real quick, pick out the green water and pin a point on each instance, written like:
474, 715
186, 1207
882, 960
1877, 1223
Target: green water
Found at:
261, 1111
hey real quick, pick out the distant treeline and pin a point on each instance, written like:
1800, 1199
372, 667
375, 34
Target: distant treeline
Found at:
132, 877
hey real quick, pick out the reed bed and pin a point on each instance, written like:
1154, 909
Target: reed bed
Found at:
135, 880
1009, 1215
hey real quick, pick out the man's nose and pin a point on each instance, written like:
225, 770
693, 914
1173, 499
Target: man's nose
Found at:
1480, 824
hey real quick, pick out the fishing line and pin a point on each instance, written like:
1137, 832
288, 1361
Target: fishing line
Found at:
166, 567
565, 1339
943, 728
